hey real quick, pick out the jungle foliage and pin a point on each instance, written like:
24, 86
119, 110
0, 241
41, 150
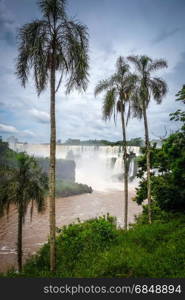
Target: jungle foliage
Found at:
168, 167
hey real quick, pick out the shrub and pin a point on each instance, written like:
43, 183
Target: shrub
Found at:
95, 248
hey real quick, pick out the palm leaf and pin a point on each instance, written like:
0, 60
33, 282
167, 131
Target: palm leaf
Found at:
101, 86
158, 89
136, 61
32, 40
157, 64
52, 8
109, 103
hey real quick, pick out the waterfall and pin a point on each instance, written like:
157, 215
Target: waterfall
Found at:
131, 168
98, 166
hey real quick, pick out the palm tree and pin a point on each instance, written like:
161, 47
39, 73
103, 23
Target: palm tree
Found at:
50, 45
146, 87
23, 183
119, 88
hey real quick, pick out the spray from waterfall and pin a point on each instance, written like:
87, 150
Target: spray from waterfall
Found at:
101, 167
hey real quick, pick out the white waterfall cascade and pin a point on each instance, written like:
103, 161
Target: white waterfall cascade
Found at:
98, 166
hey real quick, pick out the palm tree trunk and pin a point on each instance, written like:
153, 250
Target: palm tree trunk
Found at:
19, 237
52, 169
125, 167
147, 145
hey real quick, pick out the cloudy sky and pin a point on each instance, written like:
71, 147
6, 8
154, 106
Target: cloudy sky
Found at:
116, 27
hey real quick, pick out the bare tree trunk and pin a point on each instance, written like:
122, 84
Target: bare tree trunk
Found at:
147, 145
52, 170
19, 237
125, 167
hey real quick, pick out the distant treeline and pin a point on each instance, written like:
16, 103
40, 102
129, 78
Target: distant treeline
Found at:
132, 142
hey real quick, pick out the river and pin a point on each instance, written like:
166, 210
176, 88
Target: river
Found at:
68, 210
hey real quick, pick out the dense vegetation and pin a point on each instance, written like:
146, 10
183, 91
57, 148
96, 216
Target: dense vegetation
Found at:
96, 248
168, 163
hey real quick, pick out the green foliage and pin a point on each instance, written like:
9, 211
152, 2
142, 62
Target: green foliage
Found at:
7, 157
167, 190
77, 247
156, 159
22, 182
141, 191
67, 188
179, 115
96, 248
158, 215
168, 185
181, 95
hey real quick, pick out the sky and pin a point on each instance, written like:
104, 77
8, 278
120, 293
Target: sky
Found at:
116, 27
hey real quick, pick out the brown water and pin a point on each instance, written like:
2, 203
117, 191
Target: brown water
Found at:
68, 210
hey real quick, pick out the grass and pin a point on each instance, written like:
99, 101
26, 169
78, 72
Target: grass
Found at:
67, 188
96, 248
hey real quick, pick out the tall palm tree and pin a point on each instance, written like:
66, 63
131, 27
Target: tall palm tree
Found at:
118, 89
146, 87
23, 184
50, 45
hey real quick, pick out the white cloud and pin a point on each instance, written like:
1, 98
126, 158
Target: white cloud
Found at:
27, 132
7, 129
40, 116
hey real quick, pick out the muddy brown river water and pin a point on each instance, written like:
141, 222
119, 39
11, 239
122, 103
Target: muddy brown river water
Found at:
68, 210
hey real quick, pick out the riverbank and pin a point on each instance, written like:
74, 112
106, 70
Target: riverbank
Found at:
68, 210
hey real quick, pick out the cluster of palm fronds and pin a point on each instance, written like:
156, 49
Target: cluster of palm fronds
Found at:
130, 93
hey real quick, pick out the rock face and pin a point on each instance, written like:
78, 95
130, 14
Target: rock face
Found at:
65, 169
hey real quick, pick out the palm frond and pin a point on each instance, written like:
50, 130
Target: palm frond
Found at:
158, 88
157, 64
75, 38
128, 84
102, 86
135, 59
32, 40
145, 85
181, 95
54, 9
145, 61
109, 103
121, 66
136, 104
